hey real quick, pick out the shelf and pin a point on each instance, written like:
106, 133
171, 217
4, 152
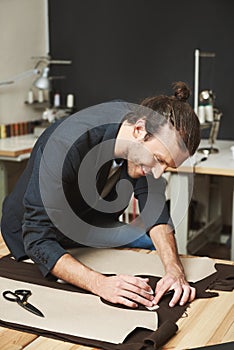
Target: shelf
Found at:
38, 104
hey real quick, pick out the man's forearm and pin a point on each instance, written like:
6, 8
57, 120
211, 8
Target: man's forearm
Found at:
74, 272
164, 240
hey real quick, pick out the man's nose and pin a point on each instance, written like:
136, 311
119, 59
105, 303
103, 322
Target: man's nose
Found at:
158, 170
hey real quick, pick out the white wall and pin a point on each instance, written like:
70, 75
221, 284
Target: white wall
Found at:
22, 35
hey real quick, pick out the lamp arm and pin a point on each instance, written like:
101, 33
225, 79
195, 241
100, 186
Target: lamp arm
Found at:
39, 62
48, 60
60, 62
20, 76
6, 82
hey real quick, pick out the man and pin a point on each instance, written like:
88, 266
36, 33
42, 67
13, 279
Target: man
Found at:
65, 197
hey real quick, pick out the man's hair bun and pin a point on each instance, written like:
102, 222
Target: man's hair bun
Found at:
181, 91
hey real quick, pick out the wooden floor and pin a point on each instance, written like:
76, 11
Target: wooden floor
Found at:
207, 322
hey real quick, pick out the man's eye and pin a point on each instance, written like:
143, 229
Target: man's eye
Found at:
159, 160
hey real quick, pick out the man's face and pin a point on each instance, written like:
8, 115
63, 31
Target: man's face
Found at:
155, 155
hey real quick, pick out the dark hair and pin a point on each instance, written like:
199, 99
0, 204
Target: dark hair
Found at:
177, 111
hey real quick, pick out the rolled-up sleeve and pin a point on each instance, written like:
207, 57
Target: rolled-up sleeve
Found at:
151, 197
40, 236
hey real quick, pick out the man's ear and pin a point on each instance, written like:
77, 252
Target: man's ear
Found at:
139, 131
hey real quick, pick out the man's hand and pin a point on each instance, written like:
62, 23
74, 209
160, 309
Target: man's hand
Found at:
124, 289
182, 290
174, 279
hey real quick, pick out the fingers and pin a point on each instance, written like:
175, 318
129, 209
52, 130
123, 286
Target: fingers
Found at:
127, 302
137, 289
182, 292
158, 296
176, 297
162, 287
139, 282
128, 290
138, 299
183, 295
192, 294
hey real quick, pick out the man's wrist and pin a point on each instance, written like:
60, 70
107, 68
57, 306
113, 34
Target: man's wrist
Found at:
174, 269
96, 282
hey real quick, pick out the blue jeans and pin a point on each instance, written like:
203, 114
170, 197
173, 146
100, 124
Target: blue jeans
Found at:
143, 242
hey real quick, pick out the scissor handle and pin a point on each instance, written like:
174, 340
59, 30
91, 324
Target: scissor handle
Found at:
10, 296
18, 295
23, 294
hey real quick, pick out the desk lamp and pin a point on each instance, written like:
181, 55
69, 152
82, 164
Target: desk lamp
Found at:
43, 81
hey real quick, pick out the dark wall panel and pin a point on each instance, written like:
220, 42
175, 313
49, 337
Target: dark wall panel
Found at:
130, 49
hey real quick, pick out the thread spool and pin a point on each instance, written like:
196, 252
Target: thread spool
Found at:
56, 100
70, 101
30, 97
40, 96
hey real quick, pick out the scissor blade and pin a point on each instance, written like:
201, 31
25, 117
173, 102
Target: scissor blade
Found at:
31, 308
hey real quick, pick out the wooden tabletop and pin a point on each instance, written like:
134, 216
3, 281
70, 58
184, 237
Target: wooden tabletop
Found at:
207, 322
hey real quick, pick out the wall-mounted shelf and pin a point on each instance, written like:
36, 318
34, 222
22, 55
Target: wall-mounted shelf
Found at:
38, 105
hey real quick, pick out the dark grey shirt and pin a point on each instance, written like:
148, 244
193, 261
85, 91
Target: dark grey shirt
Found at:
29, 226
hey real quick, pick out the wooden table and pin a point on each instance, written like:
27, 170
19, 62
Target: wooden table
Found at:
208, 322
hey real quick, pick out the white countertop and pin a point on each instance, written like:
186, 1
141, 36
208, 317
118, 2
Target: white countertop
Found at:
221, 163
17, 148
